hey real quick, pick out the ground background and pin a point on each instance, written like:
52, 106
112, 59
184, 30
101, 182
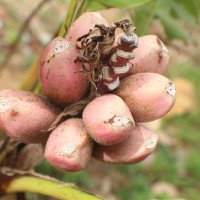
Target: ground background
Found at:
173, 171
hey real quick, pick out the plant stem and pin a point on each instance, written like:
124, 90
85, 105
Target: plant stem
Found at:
38, 88
45, 187
31, 79
150, 17
68, 20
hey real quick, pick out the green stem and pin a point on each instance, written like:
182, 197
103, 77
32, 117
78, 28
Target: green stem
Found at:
38, 88
68, 20
150, 18
30, 81
45, 187
82, 7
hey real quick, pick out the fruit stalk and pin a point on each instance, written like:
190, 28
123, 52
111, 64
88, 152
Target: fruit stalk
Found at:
43, 186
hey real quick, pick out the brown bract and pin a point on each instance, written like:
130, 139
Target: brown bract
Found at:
83, 24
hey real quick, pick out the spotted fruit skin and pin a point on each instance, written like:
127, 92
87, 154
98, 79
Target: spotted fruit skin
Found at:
108, 119
69, 146
149, 96
139, 145
63, 81
151, 55
24, 115
83, 24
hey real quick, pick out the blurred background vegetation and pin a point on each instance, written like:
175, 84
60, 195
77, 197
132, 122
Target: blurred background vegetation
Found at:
173, 171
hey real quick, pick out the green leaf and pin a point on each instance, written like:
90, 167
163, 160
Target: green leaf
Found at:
103, 4
183, 13
139, 19
143, 16
192, 6
171, 25
95, 6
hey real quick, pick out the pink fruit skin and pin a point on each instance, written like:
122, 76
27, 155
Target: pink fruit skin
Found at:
83, 24
62, 80
23, 115
151, 55
69, 146
99, 116
140, 144
147, 95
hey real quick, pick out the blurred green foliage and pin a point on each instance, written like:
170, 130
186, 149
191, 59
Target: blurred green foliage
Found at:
102, 4
170, 12
186, 130
175, 15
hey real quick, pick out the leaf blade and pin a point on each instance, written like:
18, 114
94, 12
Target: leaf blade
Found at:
172, 27
102, 4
